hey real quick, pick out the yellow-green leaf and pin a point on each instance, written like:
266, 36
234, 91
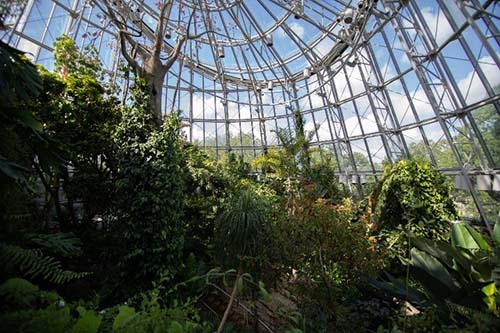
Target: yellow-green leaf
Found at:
489, 290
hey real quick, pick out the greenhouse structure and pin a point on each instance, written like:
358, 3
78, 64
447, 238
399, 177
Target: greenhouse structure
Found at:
250, 165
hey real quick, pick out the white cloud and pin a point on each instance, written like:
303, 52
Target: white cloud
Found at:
324, 46
438, 24
471, 86
201, 104
323, 131
296, 27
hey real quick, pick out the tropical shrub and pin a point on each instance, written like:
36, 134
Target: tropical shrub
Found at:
80, 115
410, 197
209, 185
244, 235
20, 84
464, 273
457, 281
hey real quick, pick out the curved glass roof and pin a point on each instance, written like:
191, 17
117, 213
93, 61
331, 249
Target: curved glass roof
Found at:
375, 81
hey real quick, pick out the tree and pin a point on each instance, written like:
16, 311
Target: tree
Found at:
80, 115
488, 121
150, 66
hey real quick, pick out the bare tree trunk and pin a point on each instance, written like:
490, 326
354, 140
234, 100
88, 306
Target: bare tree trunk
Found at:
231, 301
154, 74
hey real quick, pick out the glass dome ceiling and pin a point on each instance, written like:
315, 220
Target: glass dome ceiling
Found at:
375, 81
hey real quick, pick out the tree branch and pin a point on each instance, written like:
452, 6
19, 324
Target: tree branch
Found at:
160, 31
132, 62
177, 49
122, 35
200, 34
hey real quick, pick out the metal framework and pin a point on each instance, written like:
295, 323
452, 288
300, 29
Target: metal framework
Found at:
375, 81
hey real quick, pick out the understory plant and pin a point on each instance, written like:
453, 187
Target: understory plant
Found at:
244, 238
457, 281
26, 308
325, 248
210, 184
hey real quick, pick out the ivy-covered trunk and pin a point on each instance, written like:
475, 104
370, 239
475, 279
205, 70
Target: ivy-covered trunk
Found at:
150, 198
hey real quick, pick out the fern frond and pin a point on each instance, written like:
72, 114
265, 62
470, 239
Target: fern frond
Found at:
33, 263
64, 244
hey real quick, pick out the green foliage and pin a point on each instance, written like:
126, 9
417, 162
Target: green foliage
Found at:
296, 166
33, 263
88, 322
460, 273
243, 230
322, 175
414, 197
325, 248
150, 196
209, 184
19, 84
18, 291
19, 294
151, 317
125, 313
80, 116
294, 159
19, 81
50, 320
27, 309
488, 121
63, 244
458, 278
70, 60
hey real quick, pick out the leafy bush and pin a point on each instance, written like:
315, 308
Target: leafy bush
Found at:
28, 309
410, 197
20, 83
80, 116
414, 196
209, 185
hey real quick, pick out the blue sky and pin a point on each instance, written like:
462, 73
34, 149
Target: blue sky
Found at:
303, 34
